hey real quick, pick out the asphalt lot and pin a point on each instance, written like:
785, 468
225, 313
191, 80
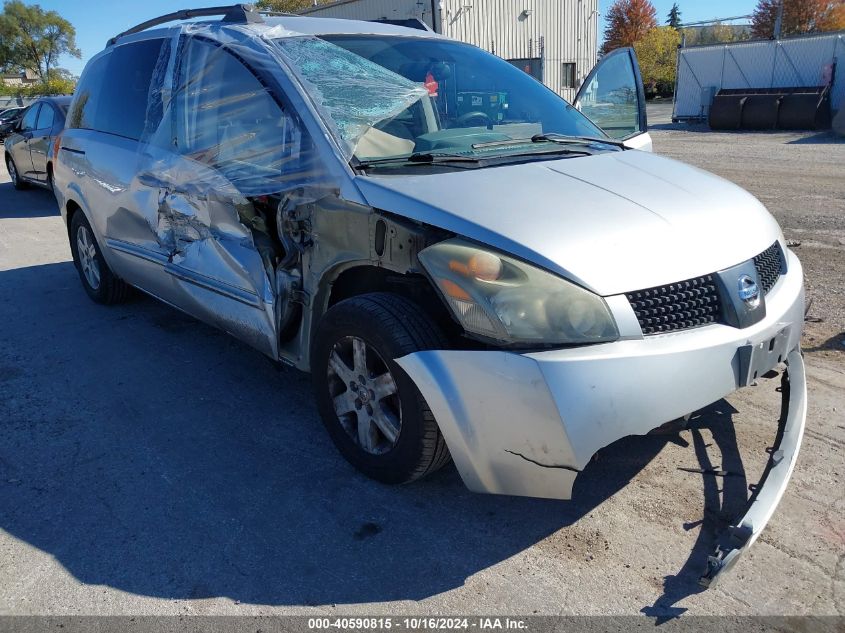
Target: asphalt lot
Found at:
152, 465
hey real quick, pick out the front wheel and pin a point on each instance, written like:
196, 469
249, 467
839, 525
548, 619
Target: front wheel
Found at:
372, 410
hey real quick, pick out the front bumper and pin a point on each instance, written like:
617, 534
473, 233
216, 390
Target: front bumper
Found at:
527, 424
768, 492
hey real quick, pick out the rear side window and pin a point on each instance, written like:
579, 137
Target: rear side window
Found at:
46, 117
114, 95
126, 92
83, 110
28, 122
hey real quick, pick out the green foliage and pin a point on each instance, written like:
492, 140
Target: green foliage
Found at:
674, 17
717, 33
657, 54
52, 86
32, 38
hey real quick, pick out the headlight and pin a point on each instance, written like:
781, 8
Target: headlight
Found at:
501, 298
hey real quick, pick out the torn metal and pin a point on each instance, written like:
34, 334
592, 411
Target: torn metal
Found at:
231, 183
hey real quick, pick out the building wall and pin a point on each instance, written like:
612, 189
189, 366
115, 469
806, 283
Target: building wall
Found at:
559, 31
378, 10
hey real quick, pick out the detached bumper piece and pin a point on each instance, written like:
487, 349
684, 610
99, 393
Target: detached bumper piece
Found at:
768, 492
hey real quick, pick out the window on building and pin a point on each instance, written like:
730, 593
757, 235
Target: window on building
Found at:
530, 65
568, 80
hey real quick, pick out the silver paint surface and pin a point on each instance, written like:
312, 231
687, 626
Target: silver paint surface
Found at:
527, 423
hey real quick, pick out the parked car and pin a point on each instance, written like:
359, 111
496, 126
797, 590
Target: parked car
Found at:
29, 146
469, 266
8, 119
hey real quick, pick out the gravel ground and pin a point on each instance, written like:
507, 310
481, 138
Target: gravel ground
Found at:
152, 465
801, 179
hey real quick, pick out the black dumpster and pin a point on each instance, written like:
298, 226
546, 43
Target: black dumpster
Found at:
795, 108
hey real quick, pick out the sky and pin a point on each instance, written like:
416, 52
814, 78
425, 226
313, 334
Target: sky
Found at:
96, 21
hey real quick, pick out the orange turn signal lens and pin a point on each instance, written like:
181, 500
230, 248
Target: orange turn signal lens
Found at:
459, 267
454, 290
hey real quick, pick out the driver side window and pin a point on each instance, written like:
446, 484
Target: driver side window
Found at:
611, 96
227, 119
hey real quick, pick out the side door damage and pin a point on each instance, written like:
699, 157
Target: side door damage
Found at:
242, 194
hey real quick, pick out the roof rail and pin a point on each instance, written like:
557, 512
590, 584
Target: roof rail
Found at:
237, 13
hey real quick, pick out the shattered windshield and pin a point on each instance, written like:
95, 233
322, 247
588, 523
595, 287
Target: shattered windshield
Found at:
398, 97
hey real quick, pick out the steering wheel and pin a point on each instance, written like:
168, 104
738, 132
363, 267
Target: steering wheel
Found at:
465, 119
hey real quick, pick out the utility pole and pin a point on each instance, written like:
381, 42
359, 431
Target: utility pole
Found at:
779, 21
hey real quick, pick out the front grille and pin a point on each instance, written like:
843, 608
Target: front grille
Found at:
769, 265
695, 302
679, 306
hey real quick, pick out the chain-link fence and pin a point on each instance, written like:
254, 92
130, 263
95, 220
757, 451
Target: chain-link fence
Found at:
803, 61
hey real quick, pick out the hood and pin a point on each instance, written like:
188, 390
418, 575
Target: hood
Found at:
613, 222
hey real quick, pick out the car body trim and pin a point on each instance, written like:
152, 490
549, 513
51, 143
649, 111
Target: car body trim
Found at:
193, 277
185, 274
137, 251
768, 492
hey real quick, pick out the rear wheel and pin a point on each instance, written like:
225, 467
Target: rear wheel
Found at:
14, 174
101, 284
372, 410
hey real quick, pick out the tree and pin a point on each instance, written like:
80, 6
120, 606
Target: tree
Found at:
674, 17
51, 86
32, 38
286, 6
657, 53
628, 21
799, 16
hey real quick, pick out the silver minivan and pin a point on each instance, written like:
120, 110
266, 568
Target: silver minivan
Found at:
470, 267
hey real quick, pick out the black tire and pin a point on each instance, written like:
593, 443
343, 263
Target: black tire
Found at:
110, 289
50, 184
392, 326
12, 168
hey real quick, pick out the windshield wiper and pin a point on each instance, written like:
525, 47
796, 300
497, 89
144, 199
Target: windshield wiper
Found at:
551, 137
554, 137
419, 158
563, 151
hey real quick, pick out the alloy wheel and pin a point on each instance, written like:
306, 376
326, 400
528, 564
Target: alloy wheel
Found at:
365, 395
88, 257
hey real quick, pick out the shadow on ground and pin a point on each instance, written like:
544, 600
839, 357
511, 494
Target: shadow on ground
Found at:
33, 202
826, 137
834, 343
152, 454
